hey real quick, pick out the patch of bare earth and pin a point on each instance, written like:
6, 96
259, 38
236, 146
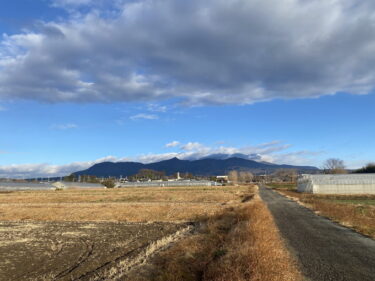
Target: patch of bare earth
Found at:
74, 251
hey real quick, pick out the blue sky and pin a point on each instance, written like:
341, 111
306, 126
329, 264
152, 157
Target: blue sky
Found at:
87, 81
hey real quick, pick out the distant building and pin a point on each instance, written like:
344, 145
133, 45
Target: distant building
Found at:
337, 184
222, 179
123, 179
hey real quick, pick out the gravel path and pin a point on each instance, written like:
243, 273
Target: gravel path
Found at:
324, 249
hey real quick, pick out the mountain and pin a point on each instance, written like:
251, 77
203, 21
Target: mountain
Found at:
203, 167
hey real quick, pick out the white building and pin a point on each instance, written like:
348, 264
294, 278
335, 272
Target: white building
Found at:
222, 178
65, 185
337, 184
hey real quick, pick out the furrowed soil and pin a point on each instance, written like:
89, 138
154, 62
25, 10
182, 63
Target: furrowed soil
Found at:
73, 251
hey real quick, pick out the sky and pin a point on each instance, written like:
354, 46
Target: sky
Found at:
284, 81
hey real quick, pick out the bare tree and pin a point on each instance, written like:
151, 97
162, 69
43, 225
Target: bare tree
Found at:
245, 176
148, 174
334, 166
286, 175
233, 176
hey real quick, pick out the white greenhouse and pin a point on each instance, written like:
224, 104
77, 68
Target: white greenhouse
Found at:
337, 184
23, 186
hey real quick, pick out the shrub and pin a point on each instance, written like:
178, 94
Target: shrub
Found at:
109, 183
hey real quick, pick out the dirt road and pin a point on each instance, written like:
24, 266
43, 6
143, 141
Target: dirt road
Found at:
325, 250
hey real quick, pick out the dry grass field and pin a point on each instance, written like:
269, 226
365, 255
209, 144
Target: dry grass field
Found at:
160, 234
355, 211
130, 205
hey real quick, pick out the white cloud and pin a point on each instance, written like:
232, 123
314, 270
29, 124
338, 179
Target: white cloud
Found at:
197, 52
67, 3
144, 116
172, 144
48, 170
274, 152
156, 108
64, 126
190, 146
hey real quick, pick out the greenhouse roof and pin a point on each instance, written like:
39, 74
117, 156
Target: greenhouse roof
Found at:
339, 179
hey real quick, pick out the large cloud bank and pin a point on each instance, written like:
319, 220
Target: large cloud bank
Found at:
196, 52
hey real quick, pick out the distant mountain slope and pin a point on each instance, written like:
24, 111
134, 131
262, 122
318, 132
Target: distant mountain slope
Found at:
197, 167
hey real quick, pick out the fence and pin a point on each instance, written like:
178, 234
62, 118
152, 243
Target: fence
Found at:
167, 183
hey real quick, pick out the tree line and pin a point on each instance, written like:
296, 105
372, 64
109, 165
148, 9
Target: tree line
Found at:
337, 166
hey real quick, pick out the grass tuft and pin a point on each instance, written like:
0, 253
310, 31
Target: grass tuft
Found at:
354, 211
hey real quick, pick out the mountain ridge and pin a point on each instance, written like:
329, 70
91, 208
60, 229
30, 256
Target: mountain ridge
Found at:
201, 167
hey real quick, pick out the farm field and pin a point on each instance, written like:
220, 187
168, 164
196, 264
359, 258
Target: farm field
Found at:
70, 250
127, 204
140, 234
355, 201
286, 186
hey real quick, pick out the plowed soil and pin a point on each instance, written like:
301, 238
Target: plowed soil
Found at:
73, 251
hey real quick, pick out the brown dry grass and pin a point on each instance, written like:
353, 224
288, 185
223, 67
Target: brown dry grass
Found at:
145, 194
240, 243
143, 212
359, 217
131, 204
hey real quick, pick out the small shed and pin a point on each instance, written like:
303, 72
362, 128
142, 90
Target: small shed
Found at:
337, 184
59, 185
